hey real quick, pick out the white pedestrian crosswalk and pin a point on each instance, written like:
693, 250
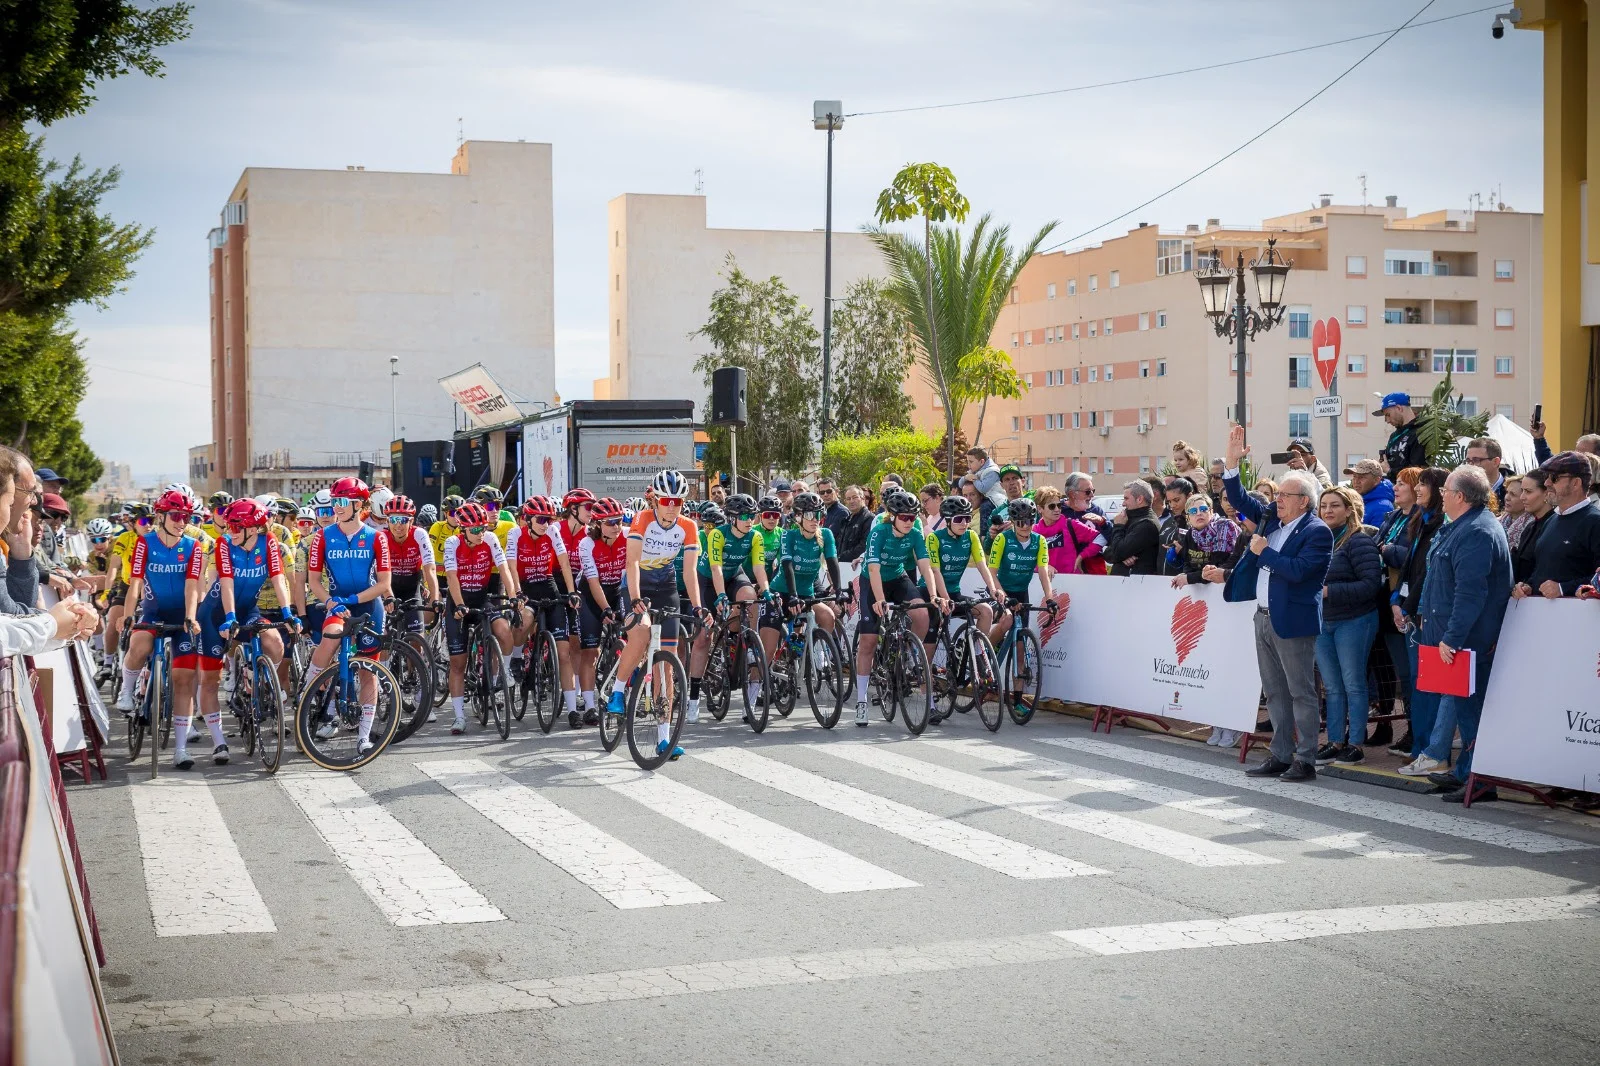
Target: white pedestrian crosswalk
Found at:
198, 880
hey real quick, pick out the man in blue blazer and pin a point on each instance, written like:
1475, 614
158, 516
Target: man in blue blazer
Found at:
1283, 572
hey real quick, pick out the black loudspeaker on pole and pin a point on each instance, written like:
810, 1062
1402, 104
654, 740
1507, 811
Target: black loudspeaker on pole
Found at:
728, 409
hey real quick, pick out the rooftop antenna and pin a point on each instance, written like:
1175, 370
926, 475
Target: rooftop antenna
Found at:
1362, 178
699, 181
461, 136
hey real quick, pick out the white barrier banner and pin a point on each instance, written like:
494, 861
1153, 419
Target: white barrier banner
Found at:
1548, 734
1138, 644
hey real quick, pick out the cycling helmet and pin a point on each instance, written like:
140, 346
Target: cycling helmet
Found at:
427, 514
379, 500
670, 483
266, 499
711, 515
473, 513
98, 527
538, 507
605, 509
283, 506
955, 507
244, 514
350, 488
634, 504
172, 501
740, 505
488, 495
452, 503
577, 496
400, 505
323, 498
185, 491
306, 514
136, 511
1021, 511
901, 502
218, 500
769, 502
807, 503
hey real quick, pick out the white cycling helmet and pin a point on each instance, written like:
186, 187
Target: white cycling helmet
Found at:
98, 527
266, 500
323, 498
306, 514
634, 504
378, 500
186, 491
670, 483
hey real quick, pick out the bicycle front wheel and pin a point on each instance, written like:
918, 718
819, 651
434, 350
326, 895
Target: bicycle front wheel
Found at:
715, 686
945, 668
266, 715
610, 724
328, 720
1024, 676
541, 684
657, 703
753, 660
911, 683
416, 688
983, 678
498, 700
160, 711
827, 680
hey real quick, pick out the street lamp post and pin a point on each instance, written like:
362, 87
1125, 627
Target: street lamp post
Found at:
827, 115
1242, 322
394, 410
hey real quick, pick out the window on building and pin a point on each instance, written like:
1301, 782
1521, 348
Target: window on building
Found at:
1467, 405
1299, 420
1108, 327
1504, 318
1249, 413
1049, 334
1175, 256
1108, 372
1144, 416
1249, 363
1299, 371
1094, 465
1116, 278
1094, 329
1161, 368
1355, 414
1110, 465
1016, 340
1506, 411
1394, 316
1016, 423
1077, 420
1161, 416
938, 402
1144, 368
619, 327
1407, 262
1355, 314
1161, 320
1299, 322
1352, 458
1455, 360
1355, 266
1075, 331
1013, 294
1094, 282
1094, 374
1094, 419
1144, 321
1144, 464
1503, 270
1077, 375
1502, 365
1027, 338
1355, 364
1050, 291
619, 239
619, 282
1072, 286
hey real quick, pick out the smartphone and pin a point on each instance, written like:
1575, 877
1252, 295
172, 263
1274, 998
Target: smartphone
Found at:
1281, 458
1538, 413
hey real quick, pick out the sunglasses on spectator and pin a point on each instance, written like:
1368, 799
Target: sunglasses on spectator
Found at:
828, 492
670, 501
1197, 508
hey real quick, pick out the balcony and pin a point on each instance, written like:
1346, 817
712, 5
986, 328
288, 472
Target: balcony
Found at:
1408, 360
1455, 264
1407, 312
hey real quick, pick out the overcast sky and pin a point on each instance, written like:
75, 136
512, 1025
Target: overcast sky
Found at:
634, 97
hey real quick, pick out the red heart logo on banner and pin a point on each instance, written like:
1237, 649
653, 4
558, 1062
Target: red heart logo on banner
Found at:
1052, 625
1188, 625
1325, 350
549, 474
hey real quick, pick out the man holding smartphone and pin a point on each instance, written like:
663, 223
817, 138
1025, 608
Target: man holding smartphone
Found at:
1405, 446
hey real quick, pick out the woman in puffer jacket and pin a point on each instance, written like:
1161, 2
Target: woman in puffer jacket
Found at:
1349, 623
1071, 543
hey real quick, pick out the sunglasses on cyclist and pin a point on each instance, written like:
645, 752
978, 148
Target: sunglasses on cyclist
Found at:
399, 519
304, 523
669, 501
98, 540
771, 514
477, 530
324, 512
612, 522
909, 517
342, 501
962, 519
809, 514
145, 521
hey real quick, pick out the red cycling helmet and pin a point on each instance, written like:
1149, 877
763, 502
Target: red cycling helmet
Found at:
577, 496
400, 505
603, 510
244, 514
538, 507
173, 502
472, 513
350, 488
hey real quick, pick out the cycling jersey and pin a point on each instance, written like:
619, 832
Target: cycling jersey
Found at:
602, 562
438, 533
732, 552
407, 559
534, 556
807, 555
473, 564
951, 555
1015, 563
166, 570
895, 555
570, 537
348, 562
659, 544
122, 552
771, 546
250, 571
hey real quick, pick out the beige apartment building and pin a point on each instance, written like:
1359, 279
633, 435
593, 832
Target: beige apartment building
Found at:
1123, 360
665, 263
323, 281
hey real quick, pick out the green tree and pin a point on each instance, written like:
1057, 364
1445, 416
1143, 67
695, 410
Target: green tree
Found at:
983, 373
53, 52
1441, 426
865, 458
954, 289
42, 381
873, 351
762, 327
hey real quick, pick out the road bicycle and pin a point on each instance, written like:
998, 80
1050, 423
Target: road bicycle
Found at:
808, 656
488, 683
328, 715
256, 697
966, 670
735, 655
540, 687
657, 694
613, 635
153, 707
1021, 661
902, 681
409, 667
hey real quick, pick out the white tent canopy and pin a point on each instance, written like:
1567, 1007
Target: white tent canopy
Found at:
1516, 444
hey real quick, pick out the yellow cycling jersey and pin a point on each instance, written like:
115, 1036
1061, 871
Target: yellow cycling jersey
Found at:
267, 598
438, 533
122, 552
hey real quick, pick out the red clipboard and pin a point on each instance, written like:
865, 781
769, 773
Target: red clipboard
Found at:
1456, 678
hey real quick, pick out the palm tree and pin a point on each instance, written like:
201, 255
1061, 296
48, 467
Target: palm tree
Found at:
953, 306
982, 374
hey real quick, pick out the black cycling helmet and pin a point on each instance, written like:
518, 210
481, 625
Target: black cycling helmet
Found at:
711, 515
901, 502
488, 494
955, 507
1022, 512
452, 502
769, 502
740, 505
807, 503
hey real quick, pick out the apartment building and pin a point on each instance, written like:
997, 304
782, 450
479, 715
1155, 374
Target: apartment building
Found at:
319, 278
665, 263
1123, 360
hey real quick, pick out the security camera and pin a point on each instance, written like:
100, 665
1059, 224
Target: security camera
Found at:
1498, 30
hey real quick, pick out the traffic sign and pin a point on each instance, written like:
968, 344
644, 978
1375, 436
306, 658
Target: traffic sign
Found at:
1327, 406
1325, 338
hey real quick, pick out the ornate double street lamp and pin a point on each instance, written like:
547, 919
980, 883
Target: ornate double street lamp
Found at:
1241, 321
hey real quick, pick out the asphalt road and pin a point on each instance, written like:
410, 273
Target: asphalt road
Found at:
854, 896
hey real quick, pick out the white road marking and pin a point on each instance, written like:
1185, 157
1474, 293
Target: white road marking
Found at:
1454, 825
918, 826
624, 877
195, 878
824, 868
1318, 834
409, 883
1185, 847
498, 997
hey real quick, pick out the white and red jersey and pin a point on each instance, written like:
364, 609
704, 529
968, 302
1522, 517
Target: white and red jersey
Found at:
570, 539
659, 544
408, 556
534, 556
605, 563
472, 564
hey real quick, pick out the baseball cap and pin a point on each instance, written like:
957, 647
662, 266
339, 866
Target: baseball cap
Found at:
46, 474
1300, 444
782, 484
1365, 466
1010, 468
51, 502
1572, 463
1393, 399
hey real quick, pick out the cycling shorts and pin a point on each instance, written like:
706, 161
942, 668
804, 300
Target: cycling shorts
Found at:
662, 592
184, 650
895, 590
708, 592
212, 642
367, 642
552, 619
589, 616
455, 629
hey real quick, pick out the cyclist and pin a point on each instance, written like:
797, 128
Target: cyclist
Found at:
806, 548
1016, 556
951, 550
656, 537
893, 547
536, 551
602, 564
443, 529
471, 558
164, 561
500, 520
577, 514
427, 515
733, 566
216, 529
136, 522
247, 559
770, 527
411, 564
347, 572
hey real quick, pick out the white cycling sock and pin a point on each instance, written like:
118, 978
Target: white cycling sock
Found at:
571, 696
312, 670
619, 686
861, 687
505, 661
588, 699
755, 693
369, 711
214, 723
180, 730
456, 707
130, 681
663, 732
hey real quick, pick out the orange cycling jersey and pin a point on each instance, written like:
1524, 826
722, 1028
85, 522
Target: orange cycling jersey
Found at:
659, 544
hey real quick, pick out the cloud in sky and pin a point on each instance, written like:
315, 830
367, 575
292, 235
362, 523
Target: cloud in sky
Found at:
635, 97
